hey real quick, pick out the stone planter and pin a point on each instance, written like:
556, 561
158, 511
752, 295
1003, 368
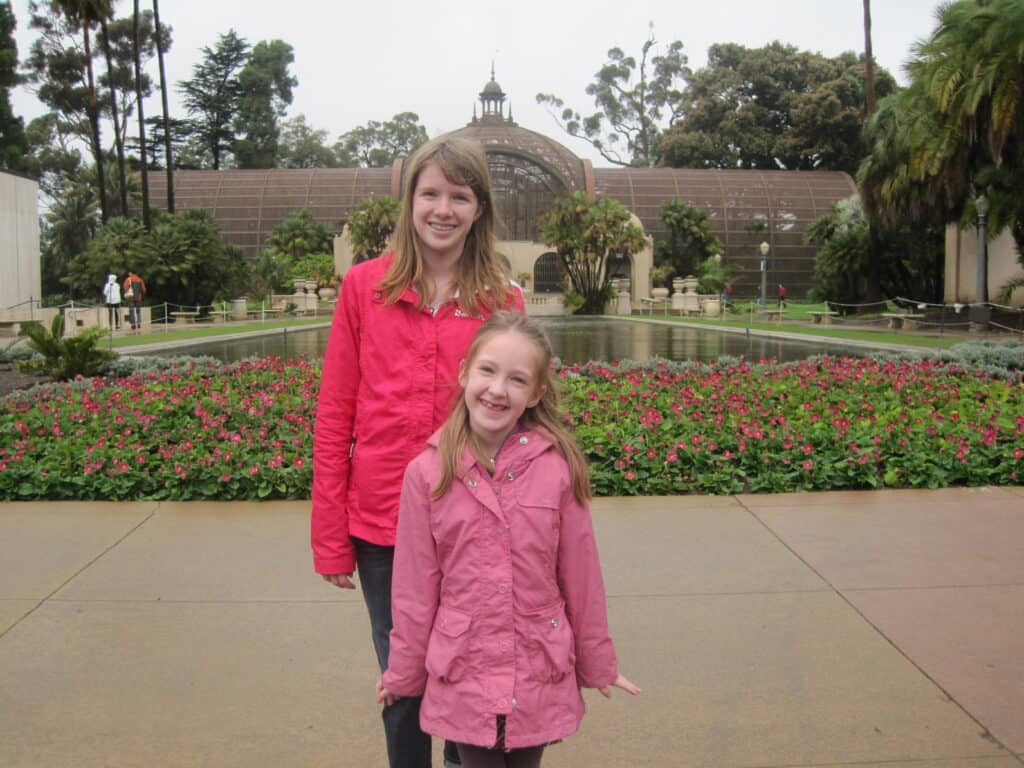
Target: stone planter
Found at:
712, 307
661, 292
328, 293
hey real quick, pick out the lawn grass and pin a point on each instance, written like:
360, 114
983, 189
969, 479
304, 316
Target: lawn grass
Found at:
156, 334
794, 325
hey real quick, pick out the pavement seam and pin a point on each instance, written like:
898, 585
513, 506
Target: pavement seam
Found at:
81, 570
985, 734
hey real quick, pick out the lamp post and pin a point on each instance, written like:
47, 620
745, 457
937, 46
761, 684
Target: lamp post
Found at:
980, 312
764, 248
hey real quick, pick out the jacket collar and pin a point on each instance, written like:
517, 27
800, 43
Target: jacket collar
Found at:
522, 445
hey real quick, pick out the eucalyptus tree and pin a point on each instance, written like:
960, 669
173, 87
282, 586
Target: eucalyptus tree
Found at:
636, 101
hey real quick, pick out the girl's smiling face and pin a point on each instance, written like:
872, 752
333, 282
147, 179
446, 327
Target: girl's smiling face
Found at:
500, 383
442, 214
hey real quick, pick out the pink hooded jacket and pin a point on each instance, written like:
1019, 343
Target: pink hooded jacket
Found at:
497, 599
390, 373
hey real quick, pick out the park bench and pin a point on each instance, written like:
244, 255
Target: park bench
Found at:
218, 315
650, 304
773, 314
822, 318
899, 320
185, 317
262, 313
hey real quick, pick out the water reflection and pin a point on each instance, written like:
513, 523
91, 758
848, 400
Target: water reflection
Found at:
574, 339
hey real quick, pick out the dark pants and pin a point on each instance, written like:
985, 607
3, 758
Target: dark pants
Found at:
408, 746
478, 757
135, 314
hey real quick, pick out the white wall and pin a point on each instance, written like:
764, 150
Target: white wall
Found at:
19, 241
962, 265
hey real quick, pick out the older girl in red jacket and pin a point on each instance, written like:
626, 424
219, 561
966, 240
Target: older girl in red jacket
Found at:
498, 601
402, 324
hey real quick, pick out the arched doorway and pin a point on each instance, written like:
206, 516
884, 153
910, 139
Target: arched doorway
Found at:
548, 274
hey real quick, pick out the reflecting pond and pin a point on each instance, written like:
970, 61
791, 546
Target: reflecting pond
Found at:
574, 340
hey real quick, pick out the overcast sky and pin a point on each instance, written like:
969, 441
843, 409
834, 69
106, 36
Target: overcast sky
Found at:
358, 61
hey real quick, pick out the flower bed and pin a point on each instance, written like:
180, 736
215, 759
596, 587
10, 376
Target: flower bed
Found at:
820, 424
244, 431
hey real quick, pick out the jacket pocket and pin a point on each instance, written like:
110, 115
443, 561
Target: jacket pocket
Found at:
447, 647
549, 643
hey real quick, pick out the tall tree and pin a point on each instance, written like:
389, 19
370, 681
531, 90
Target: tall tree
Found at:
168, 154
303, 146
142, 115
378, 145
118, 140
635, 103
13, 144
869, 59
212, 94
265, 91
86, 14
772, 107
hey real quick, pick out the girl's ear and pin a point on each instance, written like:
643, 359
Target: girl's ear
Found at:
537, 396
462, 372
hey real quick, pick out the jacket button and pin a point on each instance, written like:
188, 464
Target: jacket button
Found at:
523, 440
554, 622
510, 476
471, 483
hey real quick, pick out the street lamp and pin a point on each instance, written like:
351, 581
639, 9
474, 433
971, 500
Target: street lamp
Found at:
764, 247
980, 312
982, 205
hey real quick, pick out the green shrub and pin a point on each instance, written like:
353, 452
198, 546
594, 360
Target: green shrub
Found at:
61, 358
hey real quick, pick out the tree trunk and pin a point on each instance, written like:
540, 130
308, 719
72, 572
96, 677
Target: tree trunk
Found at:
869, 60
168, 156
94, 121
118, 140
142, 118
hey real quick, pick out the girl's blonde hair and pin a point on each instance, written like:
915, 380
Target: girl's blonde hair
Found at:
482, 275
546, 416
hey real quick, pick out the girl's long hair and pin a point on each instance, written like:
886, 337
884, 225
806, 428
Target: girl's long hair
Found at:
546, 416
482, 276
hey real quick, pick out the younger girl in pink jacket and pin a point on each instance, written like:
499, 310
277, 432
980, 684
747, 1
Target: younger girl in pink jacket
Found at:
497, 597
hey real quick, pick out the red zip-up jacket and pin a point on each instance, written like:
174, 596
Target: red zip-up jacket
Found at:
389, 375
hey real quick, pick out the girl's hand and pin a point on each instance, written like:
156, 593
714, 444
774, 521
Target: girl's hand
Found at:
384, 696
620, 682
342, 580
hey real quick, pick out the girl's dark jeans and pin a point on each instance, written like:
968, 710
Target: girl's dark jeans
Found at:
408, 746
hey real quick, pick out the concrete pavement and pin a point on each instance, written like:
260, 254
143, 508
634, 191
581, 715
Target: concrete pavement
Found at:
822, 629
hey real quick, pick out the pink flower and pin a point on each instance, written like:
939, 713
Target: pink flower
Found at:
254, 470
808, 465
672, 457
630, 475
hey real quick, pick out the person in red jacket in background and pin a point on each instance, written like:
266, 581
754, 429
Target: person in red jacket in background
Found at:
782, 296
134, 293
401, 327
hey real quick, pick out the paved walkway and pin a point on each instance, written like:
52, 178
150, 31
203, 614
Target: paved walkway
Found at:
820, 629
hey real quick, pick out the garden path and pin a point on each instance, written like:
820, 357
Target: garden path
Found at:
847, 628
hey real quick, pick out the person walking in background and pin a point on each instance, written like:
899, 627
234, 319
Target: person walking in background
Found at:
112, 297
498, 601
401, 326
134, 293
782, 296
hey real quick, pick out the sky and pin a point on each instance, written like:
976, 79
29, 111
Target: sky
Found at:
360, 61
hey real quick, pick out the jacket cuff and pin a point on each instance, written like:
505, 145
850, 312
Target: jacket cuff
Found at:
341, 564
403, 686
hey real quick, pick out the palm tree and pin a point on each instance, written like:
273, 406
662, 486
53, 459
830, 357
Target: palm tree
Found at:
86, 13
869, 60
168, 156
142, 117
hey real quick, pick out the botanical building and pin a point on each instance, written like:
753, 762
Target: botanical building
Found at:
529, 170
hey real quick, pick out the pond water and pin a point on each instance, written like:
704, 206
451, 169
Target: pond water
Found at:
575, 340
